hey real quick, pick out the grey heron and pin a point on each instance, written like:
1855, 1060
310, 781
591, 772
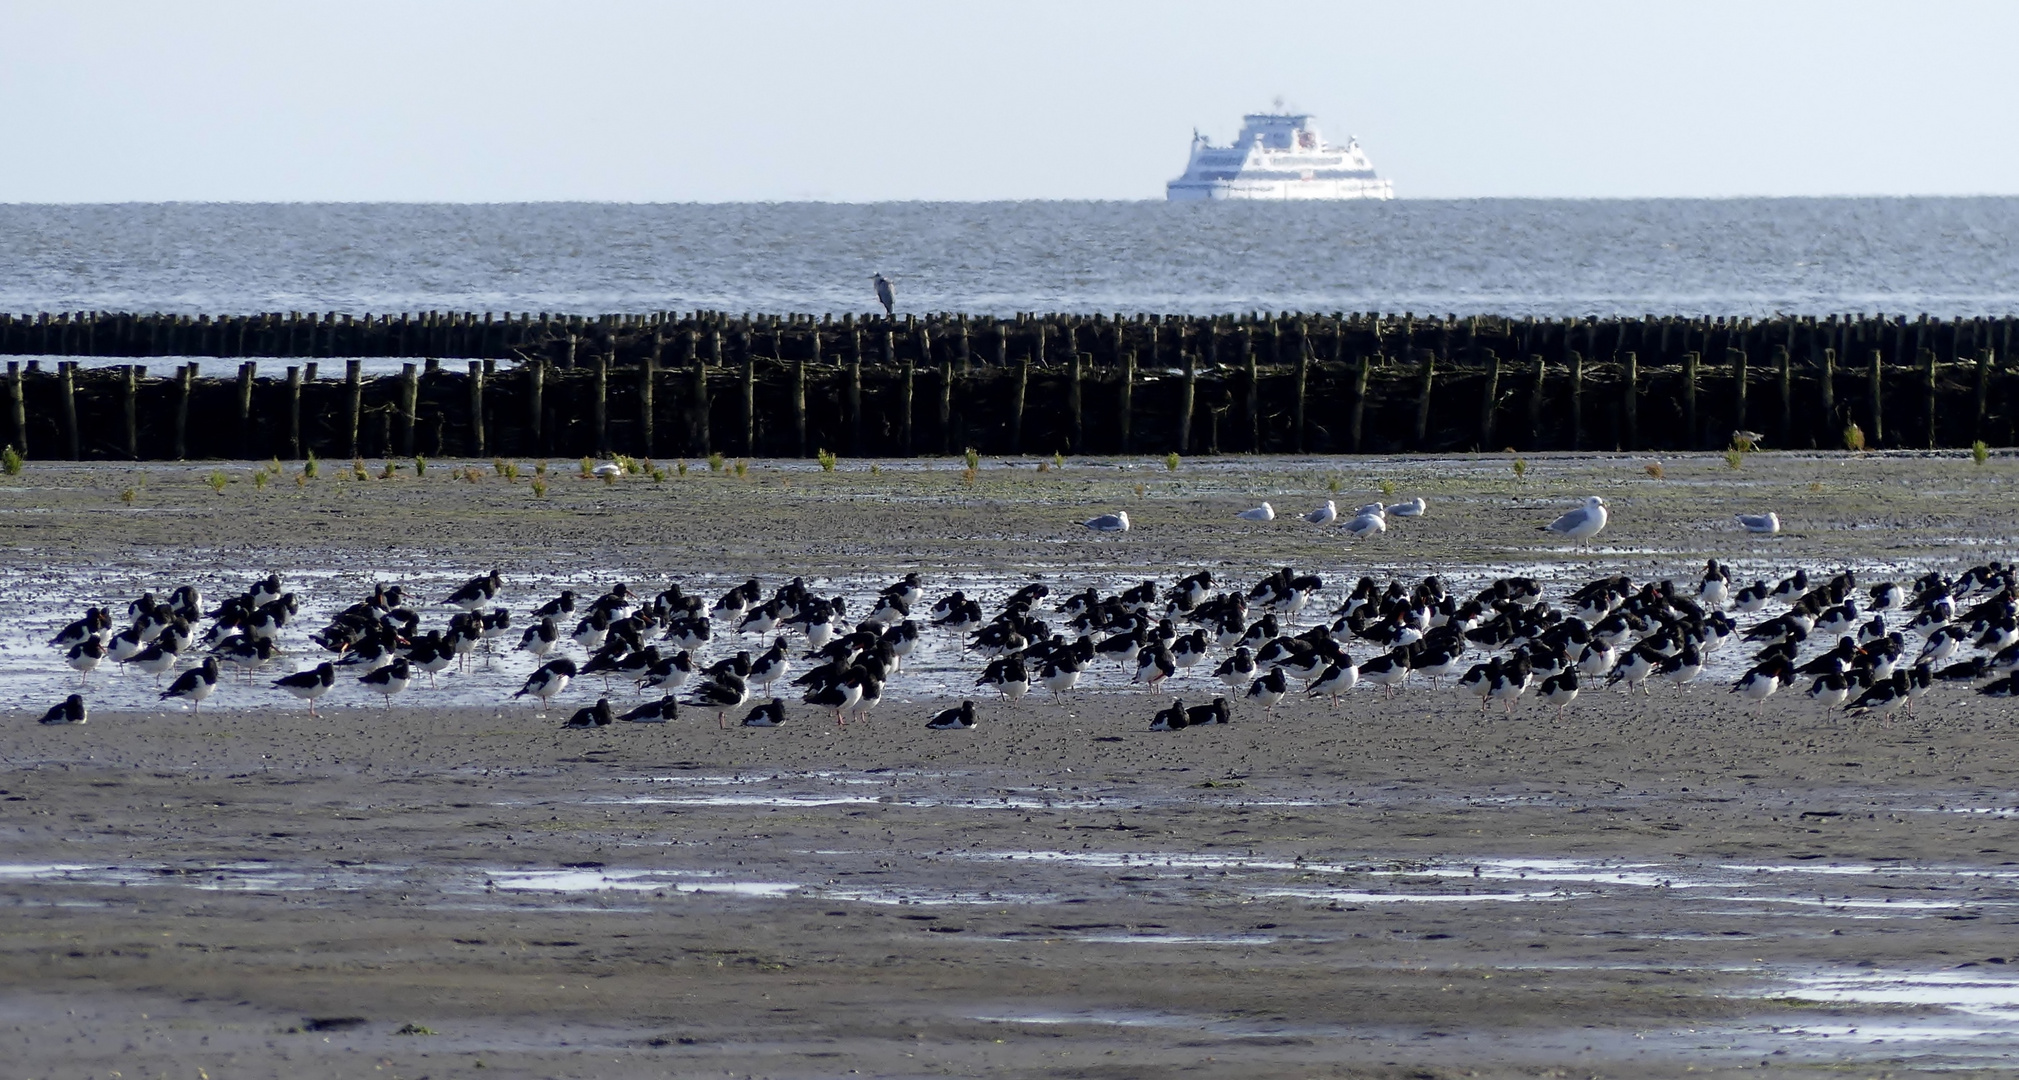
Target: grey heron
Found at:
885, 295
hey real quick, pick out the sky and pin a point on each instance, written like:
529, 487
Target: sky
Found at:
603, 100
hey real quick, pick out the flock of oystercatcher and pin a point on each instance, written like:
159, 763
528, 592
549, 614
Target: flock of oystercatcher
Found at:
1874, 649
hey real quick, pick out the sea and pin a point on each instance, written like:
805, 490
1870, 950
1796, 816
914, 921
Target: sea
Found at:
1735, 257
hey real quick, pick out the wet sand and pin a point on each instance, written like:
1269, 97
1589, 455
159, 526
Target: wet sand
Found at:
1395, 888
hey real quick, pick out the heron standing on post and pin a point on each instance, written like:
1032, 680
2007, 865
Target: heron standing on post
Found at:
885, 295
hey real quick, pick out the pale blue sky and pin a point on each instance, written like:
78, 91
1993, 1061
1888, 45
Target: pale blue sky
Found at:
507, 100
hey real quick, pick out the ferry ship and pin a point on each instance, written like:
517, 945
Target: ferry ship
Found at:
1278, 155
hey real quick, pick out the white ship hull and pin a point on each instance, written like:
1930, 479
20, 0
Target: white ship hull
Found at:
1285, 190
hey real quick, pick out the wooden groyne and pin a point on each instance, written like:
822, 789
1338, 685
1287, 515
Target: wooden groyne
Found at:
687, 384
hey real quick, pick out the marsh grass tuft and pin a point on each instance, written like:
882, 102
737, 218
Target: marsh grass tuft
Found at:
310, 466
967, 475
1979, 452
539, 489
742, 469
358, 469
259, 479
827, 459
683, 468
971, 456
716, 461
1655, 470
1854, 438
217, 480
127, 496
1058, 461
420, 466
658, 476
1335, 485
390, 469
1520, 468
1387, 489
10, 461
1734, 458
1172, 461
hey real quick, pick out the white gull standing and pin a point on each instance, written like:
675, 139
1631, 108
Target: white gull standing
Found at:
1582, 523
1324, 515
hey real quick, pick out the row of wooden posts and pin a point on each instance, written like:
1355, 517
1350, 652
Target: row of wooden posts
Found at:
1267, 338
768, 406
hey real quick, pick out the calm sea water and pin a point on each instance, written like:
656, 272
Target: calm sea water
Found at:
1722, 257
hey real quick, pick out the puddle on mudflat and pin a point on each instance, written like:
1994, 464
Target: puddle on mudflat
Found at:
576, 881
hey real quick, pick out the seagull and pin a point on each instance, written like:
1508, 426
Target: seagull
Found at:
608, 470
1110, 523
1582, 523
1264, 512
70, 710
1767, 524
1412, 508
1324, 515
885, 295
1372, 520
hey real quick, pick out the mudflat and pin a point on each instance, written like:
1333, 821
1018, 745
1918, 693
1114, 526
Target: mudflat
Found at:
1398, 886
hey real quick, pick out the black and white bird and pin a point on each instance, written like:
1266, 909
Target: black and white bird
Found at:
84, 657
719, 693
1884, 697
95, 624
1008, 676
1334, 681
309, 685
597, 715
1269, 689
1210, 714
769, 714
1831, 689
959, 718
70, 710
1764, 681
193, 685
551, 678
1559, 690
1170, 719
388, 680
1237, 670
664, 710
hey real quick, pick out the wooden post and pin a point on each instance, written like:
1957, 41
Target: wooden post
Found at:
599, 400
1740, 376
1001, 345
1126, 408
19, 401
410, 397
1576, 400
129, 399
477, 443
855, 405
294, 412
1017, 406
247, 372
1489, 401
946, 401
1079, 440
1359, 400
648, 384
749, 404
1928, 389
1983, 391
1427, 372
355, 398
67, 383
1186, 405
1875, 376
1631, 401
185, 382
1786, 361
536, 405
1692, 436
799, 403
698, 436
1535, 401
1828, 390
1303, 379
